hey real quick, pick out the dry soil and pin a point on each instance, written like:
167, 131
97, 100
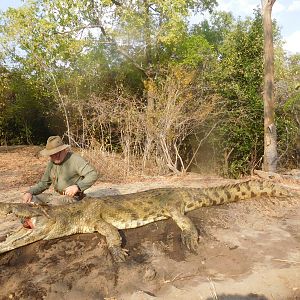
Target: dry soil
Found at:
248, 250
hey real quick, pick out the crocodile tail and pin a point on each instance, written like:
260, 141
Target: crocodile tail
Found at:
233, 192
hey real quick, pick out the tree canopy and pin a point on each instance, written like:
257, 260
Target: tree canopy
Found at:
136, 78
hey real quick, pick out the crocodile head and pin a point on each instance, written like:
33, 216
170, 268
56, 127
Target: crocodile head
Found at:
42, 225
22, 209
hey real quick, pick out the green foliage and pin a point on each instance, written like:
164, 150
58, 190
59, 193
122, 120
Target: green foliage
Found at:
216, 28
24, 110
112, 70
191, 51
240, 79
239, 74
287, 95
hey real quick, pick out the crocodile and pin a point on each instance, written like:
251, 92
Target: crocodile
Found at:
107, 215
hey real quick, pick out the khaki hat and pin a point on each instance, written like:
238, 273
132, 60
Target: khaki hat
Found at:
54, 145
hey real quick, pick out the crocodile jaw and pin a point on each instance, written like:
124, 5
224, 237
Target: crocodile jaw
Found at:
24, 236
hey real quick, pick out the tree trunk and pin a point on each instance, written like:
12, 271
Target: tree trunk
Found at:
270, 136
147, 34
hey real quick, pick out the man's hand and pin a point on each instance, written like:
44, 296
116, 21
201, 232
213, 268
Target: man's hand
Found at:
71, 190
27, 197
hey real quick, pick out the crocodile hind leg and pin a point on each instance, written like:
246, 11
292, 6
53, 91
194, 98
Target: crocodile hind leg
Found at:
113, 239
189, 233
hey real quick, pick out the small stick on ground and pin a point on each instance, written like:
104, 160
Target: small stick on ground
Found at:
287, 261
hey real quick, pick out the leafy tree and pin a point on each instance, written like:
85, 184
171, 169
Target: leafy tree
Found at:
131, 77
287, 96
240, 77
26, 111
48, 39
215, 29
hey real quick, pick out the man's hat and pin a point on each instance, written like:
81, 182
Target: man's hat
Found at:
54, 145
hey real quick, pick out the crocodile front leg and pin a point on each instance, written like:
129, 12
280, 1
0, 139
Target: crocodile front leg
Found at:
189, 233
113, 240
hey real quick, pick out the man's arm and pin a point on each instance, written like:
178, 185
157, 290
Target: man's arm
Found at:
42, 185
87, 173
89, 176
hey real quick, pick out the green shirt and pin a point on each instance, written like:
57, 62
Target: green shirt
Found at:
73, 170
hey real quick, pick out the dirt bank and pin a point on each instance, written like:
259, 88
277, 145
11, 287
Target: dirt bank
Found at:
248, 250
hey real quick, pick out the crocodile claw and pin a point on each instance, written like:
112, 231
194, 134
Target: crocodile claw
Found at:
118, 254
190, 240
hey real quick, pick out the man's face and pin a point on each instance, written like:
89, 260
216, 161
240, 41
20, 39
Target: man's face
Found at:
58, 157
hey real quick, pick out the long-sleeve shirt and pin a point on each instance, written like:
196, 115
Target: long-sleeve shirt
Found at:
73, 170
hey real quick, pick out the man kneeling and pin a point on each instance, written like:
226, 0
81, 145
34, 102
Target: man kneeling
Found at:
69, 173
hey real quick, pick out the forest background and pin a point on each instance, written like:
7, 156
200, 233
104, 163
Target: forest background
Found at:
140, 89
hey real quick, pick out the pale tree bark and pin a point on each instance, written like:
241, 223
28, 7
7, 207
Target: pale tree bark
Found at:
270, 136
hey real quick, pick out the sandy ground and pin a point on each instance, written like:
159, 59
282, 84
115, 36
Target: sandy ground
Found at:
248, 250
